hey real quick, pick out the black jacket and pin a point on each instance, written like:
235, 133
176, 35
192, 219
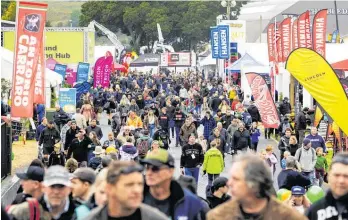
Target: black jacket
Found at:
70, 135
227, 120
329, 208
60, 117
254, 113
191, 156
301, 121
285, 108
241, 140
289, 178
79, 150
215, 201
163, 121
215, 103
49, 137
56, 159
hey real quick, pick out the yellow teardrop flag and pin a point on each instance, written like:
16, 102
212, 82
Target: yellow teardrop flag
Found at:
318, 78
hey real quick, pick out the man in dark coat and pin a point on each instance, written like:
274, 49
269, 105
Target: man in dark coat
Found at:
48, 138
95, 128
301, 125
79, 147
71, 134
60, 117
241, 139
285, 107
254, 112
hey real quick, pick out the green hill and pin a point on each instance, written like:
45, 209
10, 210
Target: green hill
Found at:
60, 13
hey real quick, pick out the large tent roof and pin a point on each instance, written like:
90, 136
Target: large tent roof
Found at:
244, 60
341, 65
149, 59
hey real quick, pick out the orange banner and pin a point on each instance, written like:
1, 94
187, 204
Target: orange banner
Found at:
285, 38
39, 91
294, 35
30, 25
318, 116
279, 55
319, 32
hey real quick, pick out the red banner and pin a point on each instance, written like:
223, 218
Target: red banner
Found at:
301, 28
286, 38
308, 30
279, 55
319, 32
294, 35
39, 91
270, 42
102, 71
30, 25
263, 100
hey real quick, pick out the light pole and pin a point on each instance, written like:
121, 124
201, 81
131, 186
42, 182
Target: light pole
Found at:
228, 4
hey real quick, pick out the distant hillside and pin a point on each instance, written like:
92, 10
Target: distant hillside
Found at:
59, 13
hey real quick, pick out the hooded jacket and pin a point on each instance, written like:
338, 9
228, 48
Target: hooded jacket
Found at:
209, 125
254, 113
275, 209
128, 152
184, 204
60, 117
186, 131
329, 208
49, 136
241, 140
134, 121
213, 161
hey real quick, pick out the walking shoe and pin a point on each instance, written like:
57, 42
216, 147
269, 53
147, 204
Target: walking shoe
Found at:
109, 122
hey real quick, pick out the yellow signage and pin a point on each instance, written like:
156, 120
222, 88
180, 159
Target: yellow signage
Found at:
66, 47
318, 78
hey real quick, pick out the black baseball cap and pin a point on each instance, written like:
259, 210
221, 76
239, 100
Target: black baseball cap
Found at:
33, 173
219, 182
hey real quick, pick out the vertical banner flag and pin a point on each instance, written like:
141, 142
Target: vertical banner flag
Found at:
82, 72
61, 69
263, 100
224, 42
30, 25
286, 38
270, 42
279, 43
308, 30
102, 69
319, 32
67, 99
214, 37
294, 35
301, 27
39, 91
71, 71
318, 116
315, 75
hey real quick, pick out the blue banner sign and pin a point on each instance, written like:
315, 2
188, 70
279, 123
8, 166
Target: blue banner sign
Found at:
67, 99
214, 37
224, 42
61, 69
82, 72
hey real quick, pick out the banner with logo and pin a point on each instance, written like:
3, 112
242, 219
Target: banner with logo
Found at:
308, 30
71, 71
82, 72
319, 32
263, 100
30, 25
267, 78
285, 38
102, 70
39, 91
294, 35
270, 42
301, 28
67, 99
61, 69
214, 37
314, 73
279, 55
224, 42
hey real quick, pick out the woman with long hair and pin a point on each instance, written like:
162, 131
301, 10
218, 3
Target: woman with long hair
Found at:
86, 110
91, 147
224, 107
123, 108
151, 122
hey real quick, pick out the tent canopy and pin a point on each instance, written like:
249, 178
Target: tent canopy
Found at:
148, 59
341, 65
209, 60
244, 60
52, 78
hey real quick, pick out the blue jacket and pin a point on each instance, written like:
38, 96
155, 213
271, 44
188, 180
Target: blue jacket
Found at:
317, 141
40, 109
39, 130
255, 135
209, 125
185, 204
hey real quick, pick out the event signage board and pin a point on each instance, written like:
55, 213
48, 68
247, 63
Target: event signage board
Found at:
82, 72
224, 41
67, 99
214, 37
61, 69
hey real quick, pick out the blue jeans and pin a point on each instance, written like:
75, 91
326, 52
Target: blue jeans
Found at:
194, 172
198, 109
310, 176
177, 134
151, 129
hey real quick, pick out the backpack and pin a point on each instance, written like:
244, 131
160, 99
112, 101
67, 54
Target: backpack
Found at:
143, 147
247, 119
163, 138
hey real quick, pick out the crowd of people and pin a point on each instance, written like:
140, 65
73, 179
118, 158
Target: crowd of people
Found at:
130, 175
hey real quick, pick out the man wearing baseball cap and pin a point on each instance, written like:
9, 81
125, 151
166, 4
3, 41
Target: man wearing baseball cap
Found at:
166, 194
31, 182
219, 192
55, 204
81, 183
298, 200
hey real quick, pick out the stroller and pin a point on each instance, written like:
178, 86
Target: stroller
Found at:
116, 124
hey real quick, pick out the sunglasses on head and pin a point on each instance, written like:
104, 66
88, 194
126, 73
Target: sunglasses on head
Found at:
154, 169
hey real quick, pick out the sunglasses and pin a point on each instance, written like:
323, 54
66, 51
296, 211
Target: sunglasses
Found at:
155, 169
